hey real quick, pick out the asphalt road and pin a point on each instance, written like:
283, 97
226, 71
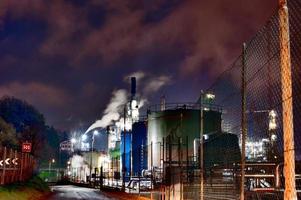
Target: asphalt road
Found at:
70, 192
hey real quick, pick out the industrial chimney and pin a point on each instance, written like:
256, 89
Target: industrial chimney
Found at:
133, 86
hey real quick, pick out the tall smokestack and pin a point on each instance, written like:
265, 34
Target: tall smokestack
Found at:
133, 86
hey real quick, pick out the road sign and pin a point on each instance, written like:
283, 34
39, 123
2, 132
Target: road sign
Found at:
26, 147
14, 161
7, 161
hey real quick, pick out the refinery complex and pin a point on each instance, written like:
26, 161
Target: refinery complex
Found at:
163, 146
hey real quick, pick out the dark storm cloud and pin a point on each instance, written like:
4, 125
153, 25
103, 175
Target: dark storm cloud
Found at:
77, 52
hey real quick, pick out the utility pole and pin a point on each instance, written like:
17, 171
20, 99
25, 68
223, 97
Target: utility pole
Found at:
201, 157
287, 103
243, 123
91, 155
92, 150
123, 155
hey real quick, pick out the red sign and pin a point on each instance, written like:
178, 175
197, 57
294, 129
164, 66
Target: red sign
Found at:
26, 147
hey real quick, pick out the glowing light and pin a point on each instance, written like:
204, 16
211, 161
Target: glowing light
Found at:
95, 132
274, 137
210, 96
73, 140
272, 120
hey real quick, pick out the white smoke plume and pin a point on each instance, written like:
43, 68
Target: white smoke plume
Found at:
113, 110
155, 84
149, 85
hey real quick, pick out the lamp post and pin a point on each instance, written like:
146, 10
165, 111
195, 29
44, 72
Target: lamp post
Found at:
91, 158
52, 161
73, 141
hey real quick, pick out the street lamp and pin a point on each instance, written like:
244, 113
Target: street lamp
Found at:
52, 161
73, 140
92, 146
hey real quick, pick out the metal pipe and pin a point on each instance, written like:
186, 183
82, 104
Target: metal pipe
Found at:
287, 103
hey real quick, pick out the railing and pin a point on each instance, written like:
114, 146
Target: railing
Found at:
187, 105
15, 166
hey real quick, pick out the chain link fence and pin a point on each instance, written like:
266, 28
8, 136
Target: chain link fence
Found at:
260, 64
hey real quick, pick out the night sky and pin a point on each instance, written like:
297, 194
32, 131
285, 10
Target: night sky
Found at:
67, 57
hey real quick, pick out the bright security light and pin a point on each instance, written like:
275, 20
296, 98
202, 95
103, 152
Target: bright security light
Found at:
210, 96
95, 132
272, 120
73, 140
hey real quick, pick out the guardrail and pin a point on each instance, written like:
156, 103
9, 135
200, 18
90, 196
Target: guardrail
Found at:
15, 166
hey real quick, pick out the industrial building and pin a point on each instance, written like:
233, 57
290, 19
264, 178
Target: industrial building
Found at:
168, 137
164, 147
174, 138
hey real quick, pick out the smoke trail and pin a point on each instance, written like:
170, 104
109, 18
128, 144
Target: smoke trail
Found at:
155, 84
113, 110
112, 113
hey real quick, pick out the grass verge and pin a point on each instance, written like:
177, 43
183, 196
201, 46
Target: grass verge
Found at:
33, 189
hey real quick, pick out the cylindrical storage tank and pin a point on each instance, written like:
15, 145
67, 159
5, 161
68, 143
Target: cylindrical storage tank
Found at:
182, 126
184, 123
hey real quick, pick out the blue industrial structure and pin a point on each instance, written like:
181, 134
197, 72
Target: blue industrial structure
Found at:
126, 155
139, 142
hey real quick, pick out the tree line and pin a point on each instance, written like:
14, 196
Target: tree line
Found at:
21, 122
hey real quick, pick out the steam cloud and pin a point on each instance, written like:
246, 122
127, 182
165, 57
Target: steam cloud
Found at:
113, 110
155, 84
120, 98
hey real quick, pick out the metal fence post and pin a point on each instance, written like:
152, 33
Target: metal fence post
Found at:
14, 166
243, 124
287, 103
201, 157
3, 169
21, 167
